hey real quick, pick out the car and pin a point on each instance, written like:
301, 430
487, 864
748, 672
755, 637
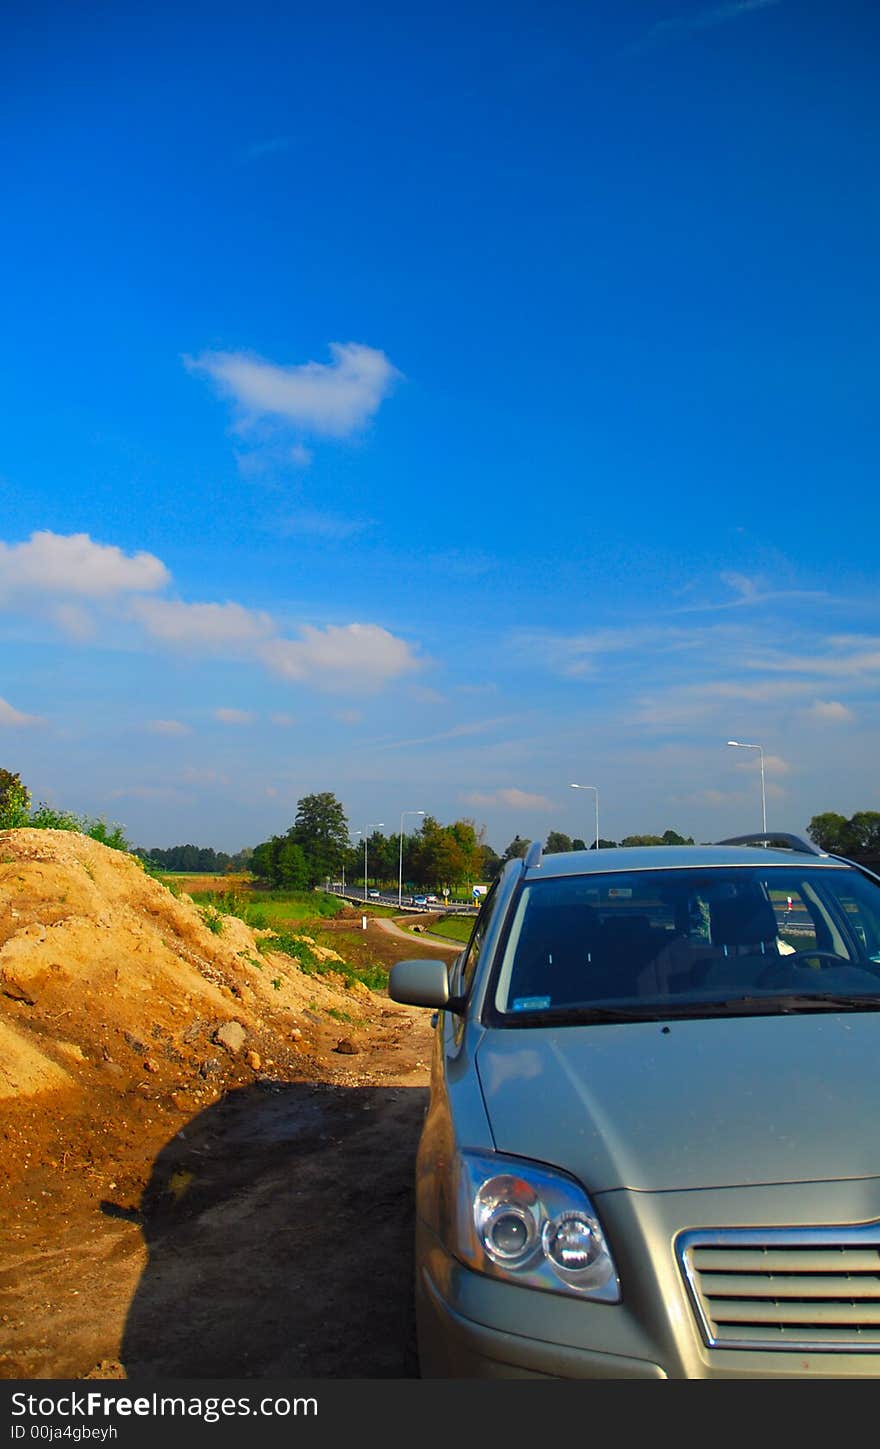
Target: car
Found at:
420, 900
374, 895
431, 900
650, 1148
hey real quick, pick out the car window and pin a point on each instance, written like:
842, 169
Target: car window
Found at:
688, 936
477, 937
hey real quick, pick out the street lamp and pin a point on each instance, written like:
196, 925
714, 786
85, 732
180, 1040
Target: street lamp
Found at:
373, 825
738, 745
400, 872
596, 788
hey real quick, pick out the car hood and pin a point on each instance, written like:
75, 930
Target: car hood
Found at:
689, 1104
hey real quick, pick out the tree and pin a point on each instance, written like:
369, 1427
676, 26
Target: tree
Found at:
291, 865
15, 801
865, 827
516, 849
263, 859
321, 828
557, 843
468, 840
832, 832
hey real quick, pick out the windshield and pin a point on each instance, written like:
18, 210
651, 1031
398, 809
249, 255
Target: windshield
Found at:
686, 942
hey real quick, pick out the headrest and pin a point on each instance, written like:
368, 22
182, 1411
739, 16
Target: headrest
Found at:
625, 929
747, 919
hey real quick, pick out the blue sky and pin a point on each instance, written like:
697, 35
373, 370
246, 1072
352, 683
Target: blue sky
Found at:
440, 406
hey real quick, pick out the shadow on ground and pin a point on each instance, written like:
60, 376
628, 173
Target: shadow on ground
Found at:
279, 1225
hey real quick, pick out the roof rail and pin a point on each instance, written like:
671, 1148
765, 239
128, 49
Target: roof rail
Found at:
778, 838
533, 855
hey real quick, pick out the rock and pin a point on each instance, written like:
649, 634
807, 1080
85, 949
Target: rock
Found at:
71, 1050
346, 1046
254, 1060
209, 1066
17, 992
150, 1065
232, 1036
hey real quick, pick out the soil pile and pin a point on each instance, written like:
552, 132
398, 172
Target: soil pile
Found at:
114, 992
165, 1076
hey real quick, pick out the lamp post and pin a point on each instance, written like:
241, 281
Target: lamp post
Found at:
596, 789
400, 872
374, 825
738, 745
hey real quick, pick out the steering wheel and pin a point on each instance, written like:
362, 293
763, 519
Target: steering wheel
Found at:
778, 973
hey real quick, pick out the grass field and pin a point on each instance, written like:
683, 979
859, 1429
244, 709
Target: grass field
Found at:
456, 928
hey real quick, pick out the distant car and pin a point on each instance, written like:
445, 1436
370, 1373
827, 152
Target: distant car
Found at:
648, 1149
431, 900
420, 900
374, 895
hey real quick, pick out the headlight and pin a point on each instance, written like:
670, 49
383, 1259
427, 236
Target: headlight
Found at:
532, 1225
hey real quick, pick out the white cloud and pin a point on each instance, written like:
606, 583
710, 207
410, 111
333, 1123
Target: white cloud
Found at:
202, 625
513, 799
74, 621
687, 704
234, 716
741, 584
284, 721
574, 655
842, 666
830, 709
54, 563
168, 727
364, 656
11, 718
340, 655
326, 399
312, 524
707, 17
462, 731
773, 764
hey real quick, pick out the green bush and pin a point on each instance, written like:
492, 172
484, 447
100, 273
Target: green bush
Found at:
15, 802
15, 813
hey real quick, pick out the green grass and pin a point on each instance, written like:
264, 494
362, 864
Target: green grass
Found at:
283, 913
270, 910
456, 928
299, 951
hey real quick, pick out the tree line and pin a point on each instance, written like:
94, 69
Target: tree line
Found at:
195, 858
859, 835
318, 848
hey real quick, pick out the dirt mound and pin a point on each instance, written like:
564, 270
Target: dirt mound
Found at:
136, 1029
111, 984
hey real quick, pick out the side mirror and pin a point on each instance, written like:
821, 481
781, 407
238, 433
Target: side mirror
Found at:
422, 983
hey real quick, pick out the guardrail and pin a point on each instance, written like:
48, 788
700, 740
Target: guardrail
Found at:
356, 898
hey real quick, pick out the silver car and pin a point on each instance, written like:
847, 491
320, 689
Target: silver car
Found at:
651, 1148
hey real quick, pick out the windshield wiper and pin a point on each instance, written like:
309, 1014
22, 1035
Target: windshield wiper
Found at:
676, 1010
789, 1002
583, 1015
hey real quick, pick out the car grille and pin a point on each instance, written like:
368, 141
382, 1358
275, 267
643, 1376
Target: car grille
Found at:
806, 1289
